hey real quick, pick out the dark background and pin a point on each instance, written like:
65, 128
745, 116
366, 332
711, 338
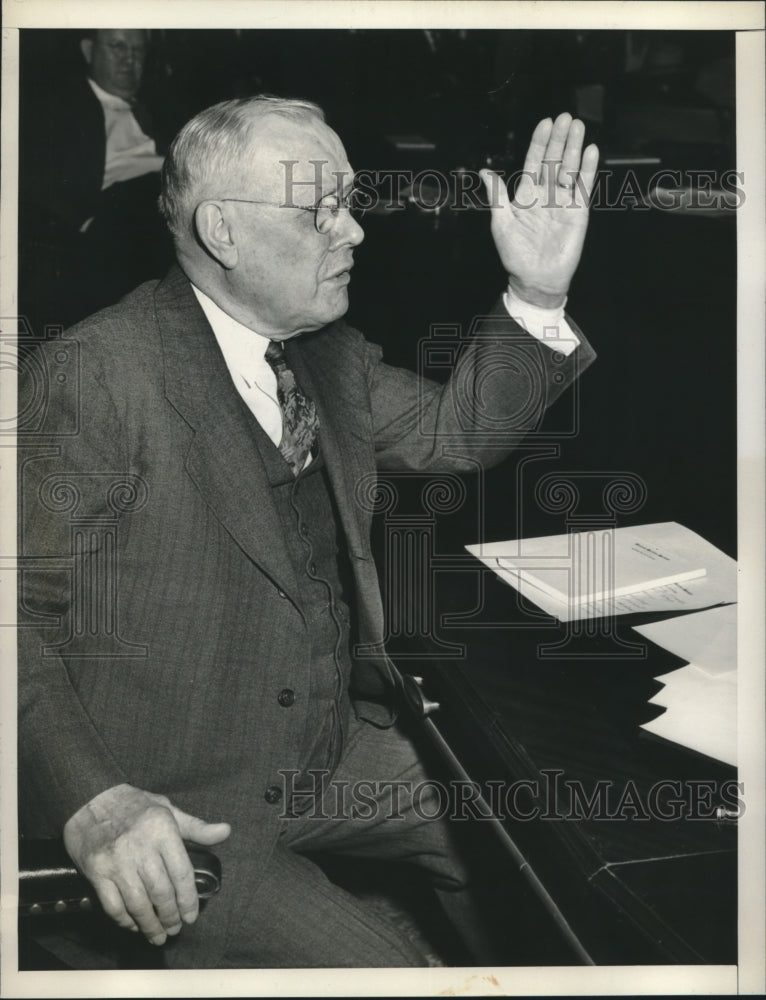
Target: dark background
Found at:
655, 292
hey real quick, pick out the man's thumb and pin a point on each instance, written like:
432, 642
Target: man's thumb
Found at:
193, 828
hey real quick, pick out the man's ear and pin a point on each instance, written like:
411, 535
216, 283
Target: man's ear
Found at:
214, 233
86, 47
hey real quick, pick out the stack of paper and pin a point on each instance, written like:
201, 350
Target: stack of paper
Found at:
653, 567
612, 571
701, 698
701, 714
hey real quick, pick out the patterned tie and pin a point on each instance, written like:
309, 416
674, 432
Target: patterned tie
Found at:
299, 416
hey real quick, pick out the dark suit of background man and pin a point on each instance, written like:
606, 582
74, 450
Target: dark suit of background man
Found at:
89, 229
247, 588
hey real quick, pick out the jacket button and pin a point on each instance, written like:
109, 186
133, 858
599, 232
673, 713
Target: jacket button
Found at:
304, 530
281, 593
273, 794
286, 697
313, 569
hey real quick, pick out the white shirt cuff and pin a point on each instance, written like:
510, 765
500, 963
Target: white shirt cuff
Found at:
546, 325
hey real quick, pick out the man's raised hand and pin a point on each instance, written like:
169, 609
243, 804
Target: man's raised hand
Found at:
129, 844
539, 235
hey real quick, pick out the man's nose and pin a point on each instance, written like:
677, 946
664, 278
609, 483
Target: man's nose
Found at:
132, 57
347, 231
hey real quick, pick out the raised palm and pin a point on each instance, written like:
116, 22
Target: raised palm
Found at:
539, 235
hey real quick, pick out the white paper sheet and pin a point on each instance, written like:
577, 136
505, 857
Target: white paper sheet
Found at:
708, 639
701, 712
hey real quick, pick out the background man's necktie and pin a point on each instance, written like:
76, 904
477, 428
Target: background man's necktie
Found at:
299, 417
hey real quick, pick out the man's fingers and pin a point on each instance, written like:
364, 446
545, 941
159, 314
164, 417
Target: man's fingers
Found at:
140, 907
111, 900
150, 901
181, 875
588, 173
537, 147
555, 156
559, 136
162, 895
570, 161
555, 149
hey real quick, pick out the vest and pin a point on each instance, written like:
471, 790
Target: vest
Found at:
317, 552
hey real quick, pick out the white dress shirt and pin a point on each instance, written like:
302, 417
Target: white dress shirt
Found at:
254, 379
244, 353
129, 152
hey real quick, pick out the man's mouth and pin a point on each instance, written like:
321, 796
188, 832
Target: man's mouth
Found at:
344, 274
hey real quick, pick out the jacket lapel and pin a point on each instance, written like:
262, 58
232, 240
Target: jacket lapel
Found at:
223, 461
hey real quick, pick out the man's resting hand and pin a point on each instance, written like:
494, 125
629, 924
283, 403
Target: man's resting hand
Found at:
129, 844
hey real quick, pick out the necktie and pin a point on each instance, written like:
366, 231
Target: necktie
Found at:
299, 417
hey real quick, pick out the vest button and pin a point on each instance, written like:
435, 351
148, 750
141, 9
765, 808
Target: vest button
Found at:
273, 794
286, 697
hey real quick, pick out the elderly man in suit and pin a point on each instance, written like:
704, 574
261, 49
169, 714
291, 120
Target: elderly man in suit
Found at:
207, 507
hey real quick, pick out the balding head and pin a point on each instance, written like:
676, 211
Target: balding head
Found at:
256, 193
221, 144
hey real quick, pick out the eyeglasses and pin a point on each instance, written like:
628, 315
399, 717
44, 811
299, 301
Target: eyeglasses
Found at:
326, 211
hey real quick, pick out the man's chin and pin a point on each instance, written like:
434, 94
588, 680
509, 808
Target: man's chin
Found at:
338, 307
320, 323
331, 310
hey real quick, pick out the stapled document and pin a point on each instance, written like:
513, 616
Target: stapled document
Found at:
611, 571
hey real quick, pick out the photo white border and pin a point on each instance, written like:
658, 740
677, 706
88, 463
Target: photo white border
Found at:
749, 976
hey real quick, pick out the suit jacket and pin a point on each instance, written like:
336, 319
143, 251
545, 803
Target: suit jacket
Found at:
145, 487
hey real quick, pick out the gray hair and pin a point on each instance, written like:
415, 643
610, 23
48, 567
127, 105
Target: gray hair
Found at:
211, 144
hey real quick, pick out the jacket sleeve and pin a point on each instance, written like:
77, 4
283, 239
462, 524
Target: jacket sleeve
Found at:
63, 762
500, 387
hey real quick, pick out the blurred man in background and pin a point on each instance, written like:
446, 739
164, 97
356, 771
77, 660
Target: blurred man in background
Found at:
89, 230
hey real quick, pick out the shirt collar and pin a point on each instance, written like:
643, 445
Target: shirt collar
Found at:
241, 346
107, 99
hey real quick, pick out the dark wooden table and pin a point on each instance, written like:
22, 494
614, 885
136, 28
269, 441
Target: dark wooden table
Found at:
638, 860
